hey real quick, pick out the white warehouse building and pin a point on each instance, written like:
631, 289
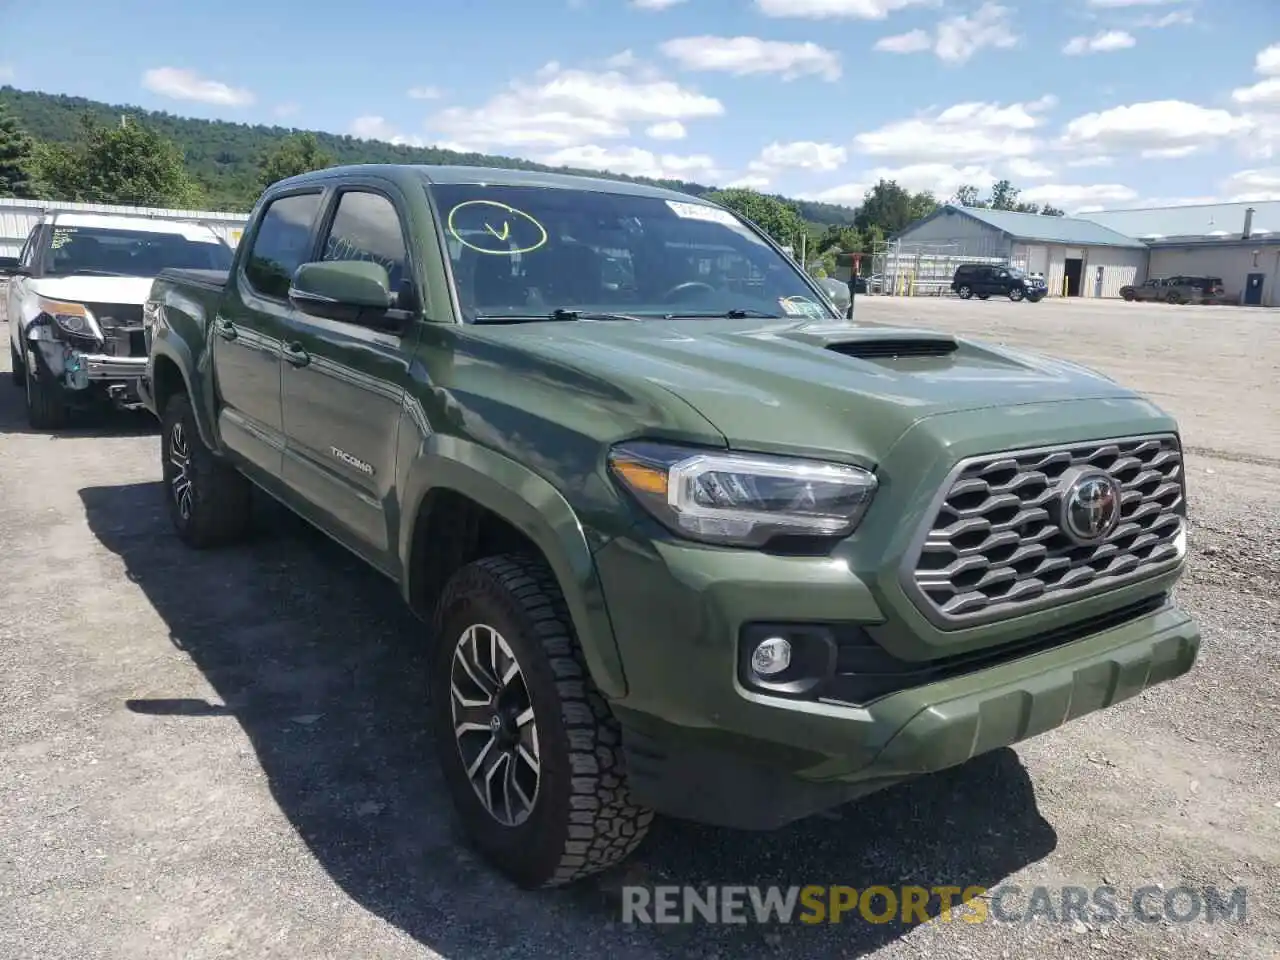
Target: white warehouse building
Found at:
1096, 254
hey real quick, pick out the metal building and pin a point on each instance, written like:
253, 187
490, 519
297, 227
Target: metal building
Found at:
17, 217
1078, 258
1236, 242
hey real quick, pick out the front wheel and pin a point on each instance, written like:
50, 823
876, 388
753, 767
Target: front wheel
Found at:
1015, 294
210, 502
46, 406
530, 752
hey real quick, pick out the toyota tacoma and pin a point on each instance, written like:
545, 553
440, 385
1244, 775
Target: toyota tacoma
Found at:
687, 541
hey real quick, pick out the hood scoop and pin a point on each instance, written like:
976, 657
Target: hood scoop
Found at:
896, 348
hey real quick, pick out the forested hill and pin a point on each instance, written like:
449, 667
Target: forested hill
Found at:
223, 157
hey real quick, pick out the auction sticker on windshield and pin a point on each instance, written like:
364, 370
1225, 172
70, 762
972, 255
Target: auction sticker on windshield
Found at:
700, 211
801, 307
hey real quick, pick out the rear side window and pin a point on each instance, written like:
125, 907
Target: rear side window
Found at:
282, 244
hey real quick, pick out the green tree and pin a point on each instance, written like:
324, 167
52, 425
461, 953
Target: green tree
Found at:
130, 165
1004, 196
17, 159
778, 218
923, 204
967, 196
886, 206
297, 154
1048, 211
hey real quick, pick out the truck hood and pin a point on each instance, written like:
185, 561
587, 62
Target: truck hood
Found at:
131, 290
827, 388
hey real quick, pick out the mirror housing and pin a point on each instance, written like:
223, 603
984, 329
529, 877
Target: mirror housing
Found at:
351, 291
10, 266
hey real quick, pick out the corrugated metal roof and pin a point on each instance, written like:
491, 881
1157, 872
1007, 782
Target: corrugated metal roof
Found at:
1067, 230
1202, 220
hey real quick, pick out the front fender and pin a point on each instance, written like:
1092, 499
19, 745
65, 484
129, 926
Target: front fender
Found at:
537, 509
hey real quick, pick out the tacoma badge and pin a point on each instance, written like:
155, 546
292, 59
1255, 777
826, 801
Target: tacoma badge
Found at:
352, 461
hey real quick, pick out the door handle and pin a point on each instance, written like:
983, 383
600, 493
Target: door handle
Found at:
225, 329
294, 353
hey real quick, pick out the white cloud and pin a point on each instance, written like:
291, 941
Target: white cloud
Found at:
667, 130
1253, 185
941, 179
654, 4
425, 93
850, 194
377, 128
1171, 19
1115, 4
837, 9
751, 55
1265, 93
1171, 153
965, 132
1073, 197
800, 155
1028, 169
960, 37
1267, 62
914, 41
634, 161
1152, 125
559, 108
1107, 41
1100, 160
749, 182
189, 85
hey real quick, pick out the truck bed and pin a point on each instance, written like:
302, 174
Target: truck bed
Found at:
209, 279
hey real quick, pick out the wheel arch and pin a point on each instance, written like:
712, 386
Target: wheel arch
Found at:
170, 366
458, 497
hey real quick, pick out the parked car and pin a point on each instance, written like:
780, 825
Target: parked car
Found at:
1177, 290
984, 280
688, 544
838, 292
74, 304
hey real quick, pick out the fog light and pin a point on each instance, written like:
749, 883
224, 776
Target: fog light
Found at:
771, 657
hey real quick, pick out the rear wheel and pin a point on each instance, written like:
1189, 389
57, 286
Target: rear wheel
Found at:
210, 502
1173, 297
964, 291
530, 752
1127, 295
1015, 293
984, 296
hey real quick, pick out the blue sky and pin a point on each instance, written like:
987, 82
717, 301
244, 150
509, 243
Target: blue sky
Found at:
1085, 104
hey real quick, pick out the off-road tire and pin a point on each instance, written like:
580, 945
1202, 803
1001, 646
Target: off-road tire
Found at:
46, 406
17, 374
221, 502
583, 820
964, 291
1127, 296
984, 296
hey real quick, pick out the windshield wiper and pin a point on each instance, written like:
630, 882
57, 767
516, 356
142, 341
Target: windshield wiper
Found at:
560, 314
724, 315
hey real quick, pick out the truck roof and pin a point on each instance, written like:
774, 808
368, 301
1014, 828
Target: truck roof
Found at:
112, 221
498, 176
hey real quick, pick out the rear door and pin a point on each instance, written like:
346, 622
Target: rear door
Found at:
251, 322
343, 383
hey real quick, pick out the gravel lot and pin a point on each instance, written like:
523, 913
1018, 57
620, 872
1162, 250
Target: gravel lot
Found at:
223, 755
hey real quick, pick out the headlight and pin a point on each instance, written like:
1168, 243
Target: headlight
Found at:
742, 499
72, 318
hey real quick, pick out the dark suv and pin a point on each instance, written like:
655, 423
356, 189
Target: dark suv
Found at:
981, 280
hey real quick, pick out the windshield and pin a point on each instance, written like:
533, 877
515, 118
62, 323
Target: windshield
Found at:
528, 251
130, 253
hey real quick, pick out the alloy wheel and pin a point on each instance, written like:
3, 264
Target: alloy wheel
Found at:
494, 725
180, 467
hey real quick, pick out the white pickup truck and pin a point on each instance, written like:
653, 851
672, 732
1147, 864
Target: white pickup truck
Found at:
74, 305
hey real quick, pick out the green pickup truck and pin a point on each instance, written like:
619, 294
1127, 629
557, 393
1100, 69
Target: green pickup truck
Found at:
688, 540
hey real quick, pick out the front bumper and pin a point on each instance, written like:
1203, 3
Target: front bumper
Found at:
704, 744
102, 367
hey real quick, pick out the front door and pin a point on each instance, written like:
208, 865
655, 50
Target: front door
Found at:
343, 385
1253, 289
250, 324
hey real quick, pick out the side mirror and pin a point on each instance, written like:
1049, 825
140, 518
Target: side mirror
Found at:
9, 266
351, 291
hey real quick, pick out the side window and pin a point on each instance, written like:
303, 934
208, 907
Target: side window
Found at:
367, 227
282, 244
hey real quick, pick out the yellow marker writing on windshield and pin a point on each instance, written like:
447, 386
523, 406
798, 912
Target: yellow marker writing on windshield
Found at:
506, 230
523, 231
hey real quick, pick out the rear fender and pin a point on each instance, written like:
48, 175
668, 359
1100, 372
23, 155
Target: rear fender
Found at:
536, 508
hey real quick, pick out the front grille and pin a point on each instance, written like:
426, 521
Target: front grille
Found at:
996, 546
